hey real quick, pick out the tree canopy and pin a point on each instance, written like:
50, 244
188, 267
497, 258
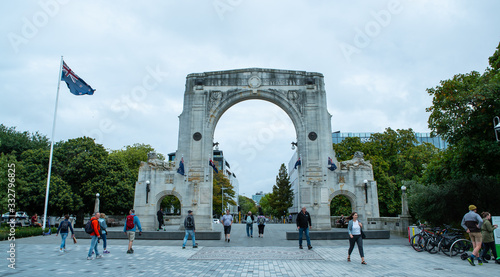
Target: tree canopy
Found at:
281, 199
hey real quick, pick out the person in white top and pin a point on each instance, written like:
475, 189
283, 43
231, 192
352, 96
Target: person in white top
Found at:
354, 229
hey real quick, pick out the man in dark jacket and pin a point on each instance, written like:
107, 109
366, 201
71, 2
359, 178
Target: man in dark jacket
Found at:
159, 216
303, 223
190, 229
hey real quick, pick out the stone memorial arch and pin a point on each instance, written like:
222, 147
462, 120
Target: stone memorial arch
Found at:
208, 95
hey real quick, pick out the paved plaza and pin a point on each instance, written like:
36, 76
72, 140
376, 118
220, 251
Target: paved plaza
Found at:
272, 255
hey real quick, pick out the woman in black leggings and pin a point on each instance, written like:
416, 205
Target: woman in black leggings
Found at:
354, 229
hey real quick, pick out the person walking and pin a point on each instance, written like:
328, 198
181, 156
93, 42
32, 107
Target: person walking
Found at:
64, 228
95, 235
303, 224
488, 237
132, 222
227, 220
472, 222
190, 228
250, 219
159, 216
354, 228
104, 226
261, 223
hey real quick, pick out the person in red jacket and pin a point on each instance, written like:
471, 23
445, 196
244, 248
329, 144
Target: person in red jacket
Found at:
95, 236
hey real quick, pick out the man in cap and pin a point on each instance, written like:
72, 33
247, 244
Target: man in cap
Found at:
190, 229
472, 224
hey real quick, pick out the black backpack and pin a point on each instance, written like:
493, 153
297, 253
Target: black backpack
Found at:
189, 222
64, 226
88, 227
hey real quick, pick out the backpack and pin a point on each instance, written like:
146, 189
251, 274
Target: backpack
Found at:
64, 226
261, 220
88, 227
130, 222
189, 222
249, 220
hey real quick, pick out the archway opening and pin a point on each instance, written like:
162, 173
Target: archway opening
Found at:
340, 209
255, 137
171, 208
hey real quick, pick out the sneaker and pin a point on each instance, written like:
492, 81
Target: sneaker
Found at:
309, 247
98, 257
251, 236
471, 261
89, 258
106, 252
228, 240
132, 249
129, 252
195, 246
184, 247
61, 251
479, 262
300, 247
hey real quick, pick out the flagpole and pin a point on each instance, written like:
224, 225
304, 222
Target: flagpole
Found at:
52, 147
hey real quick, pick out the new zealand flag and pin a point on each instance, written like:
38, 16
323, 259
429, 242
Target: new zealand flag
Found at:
331, 164
212, 164
76, 85
180, 170
297, 163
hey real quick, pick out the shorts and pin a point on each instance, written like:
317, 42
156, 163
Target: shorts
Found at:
131, 235
227, 230
476, 237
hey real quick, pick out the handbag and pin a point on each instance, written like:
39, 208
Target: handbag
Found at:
363, 236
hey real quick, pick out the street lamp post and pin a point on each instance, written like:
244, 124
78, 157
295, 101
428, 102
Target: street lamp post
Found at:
366, 190
404, 203
96, 206
222, 192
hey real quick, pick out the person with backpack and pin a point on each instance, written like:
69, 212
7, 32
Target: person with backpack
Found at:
95, 235
104, 226
250, 219
190, 228
227, 220
261, 223
64, 228
131, 222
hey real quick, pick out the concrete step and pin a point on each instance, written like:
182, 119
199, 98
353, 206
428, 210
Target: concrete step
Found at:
337, 235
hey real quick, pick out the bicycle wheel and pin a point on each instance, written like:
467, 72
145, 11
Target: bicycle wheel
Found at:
432, 245
418, 242
442, 246
460, 246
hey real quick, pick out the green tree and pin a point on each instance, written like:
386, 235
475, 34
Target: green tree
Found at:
221, 181
134, 154
281, 199
265, 205
15, 142
247, 205
171, 203
340, 205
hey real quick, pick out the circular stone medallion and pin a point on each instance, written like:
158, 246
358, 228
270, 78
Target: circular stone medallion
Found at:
254, 82
313, 136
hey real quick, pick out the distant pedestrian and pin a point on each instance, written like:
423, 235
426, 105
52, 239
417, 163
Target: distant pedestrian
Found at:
261, 223
190, 228
250, 219
34, 220
290, 219
95, 235
354, 230
488, 237
227, 220
131, 224
64, 228
303, 224
159, 216
104, 232
472, 223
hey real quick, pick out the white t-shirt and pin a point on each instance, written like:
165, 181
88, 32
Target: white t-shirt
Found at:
356, 230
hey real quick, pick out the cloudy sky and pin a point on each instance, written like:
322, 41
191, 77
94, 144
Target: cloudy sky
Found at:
378, 58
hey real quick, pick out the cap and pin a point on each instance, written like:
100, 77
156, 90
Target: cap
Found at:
472, 207
190, 211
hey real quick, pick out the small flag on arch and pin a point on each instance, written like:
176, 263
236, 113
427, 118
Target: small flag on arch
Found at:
180, 170
331, 164
297, 163
76, 85
212, 164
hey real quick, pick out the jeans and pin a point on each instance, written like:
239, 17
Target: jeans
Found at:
93, 246
189, 232
104, 242
358, 240
249, 230
63, 240
305, 230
